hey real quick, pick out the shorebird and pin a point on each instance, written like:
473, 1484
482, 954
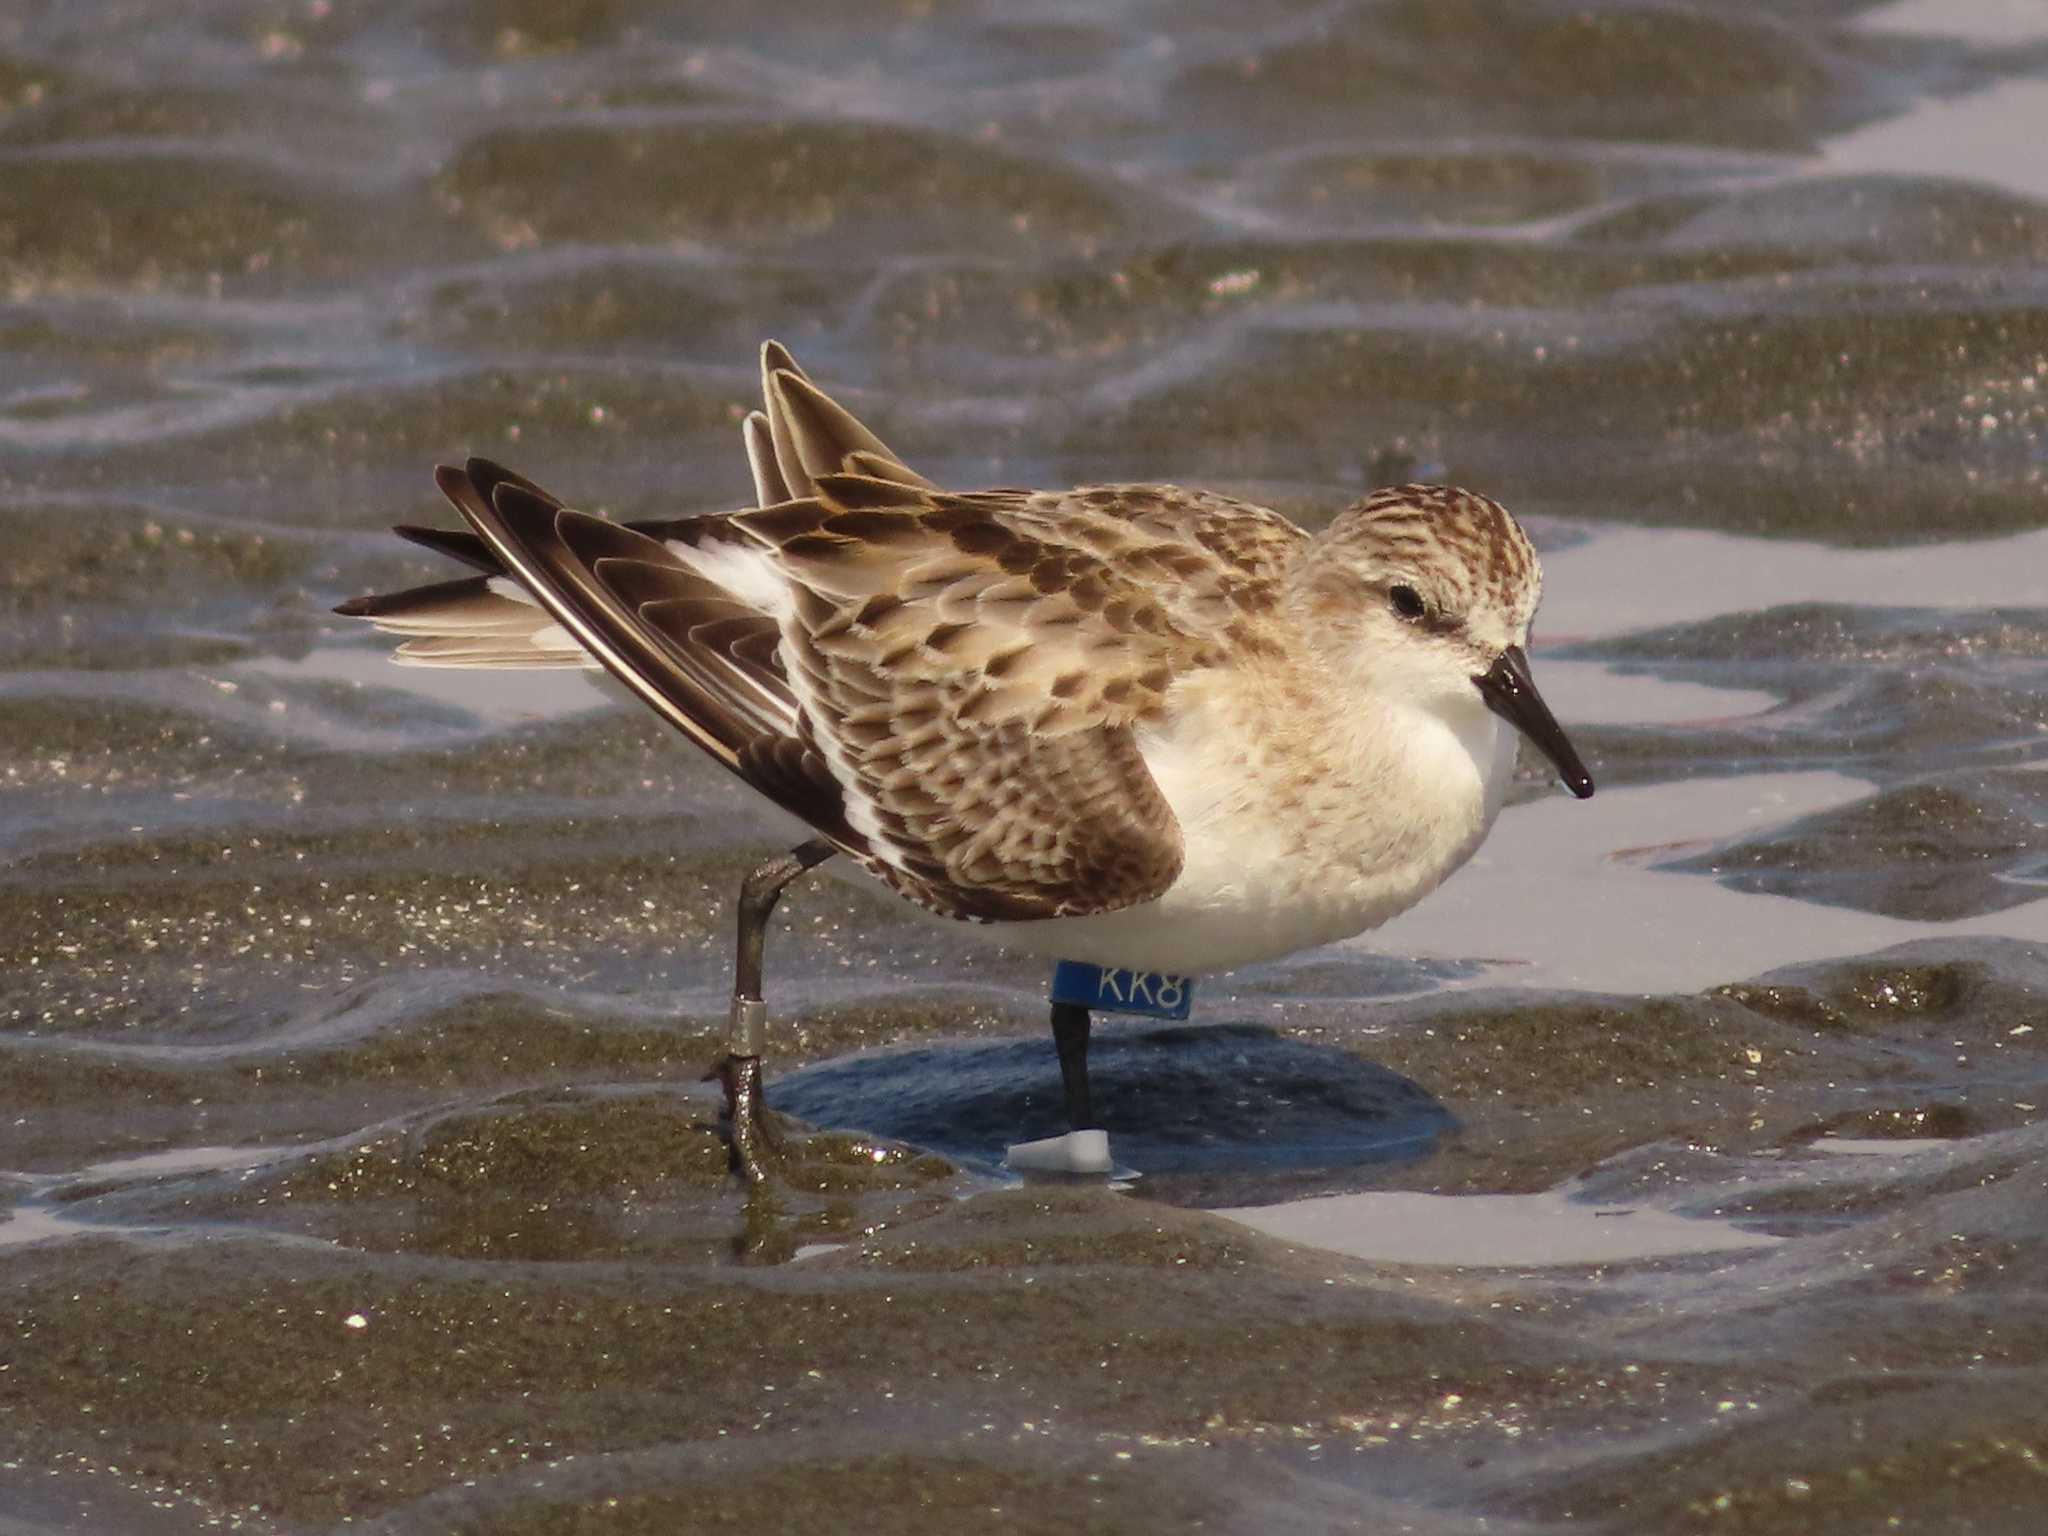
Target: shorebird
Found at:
1137, 725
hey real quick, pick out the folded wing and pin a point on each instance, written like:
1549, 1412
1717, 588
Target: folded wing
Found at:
951, 688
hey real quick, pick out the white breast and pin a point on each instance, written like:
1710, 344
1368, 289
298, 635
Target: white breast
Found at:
1293, 839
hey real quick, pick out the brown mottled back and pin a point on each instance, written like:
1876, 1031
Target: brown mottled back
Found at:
974, 666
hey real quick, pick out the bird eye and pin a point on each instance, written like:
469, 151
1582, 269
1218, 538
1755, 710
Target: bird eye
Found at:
1407, 602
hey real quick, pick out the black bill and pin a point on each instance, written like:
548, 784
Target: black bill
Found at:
1510, 692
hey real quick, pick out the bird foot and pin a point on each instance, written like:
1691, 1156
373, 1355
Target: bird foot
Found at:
758, 1154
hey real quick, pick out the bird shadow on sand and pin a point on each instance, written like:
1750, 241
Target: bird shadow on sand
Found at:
1194, 1108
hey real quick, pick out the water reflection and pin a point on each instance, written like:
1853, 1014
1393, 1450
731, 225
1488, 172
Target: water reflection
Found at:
1982, 22
1566, 894
1992, 135
1493, 1231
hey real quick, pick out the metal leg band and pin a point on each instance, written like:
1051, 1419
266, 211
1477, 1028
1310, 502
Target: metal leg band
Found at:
746, 1033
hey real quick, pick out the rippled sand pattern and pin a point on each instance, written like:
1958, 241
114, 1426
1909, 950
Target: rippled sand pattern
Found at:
354, 1165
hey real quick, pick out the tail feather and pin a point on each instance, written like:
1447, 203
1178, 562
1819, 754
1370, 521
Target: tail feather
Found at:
453, 651
478, 621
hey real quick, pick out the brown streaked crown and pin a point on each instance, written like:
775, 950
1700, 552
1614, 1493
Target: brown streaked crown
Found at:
1472, 552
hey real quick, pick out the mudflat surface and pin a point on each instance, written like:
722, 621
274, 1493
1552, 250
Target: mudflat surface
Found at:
1679, 1166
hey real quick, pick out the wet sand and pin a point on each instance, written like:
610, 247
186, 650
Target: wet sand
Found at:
1679, 1166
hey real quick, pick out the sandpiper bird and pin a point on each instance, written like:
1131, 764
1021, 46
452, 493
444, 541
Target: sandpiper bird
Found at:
1137, 725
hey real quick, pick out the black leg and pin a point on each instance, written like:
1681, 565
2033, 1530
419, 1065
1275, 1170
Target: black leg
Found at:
740, 1068
754, 1149
1070, 1035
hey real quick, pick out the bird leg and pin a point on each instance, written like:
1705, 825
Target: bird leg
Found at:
739, 1069
1070, 1024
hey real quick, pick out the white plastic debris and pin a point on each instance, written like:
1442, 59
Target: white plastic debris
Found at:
1075, 1152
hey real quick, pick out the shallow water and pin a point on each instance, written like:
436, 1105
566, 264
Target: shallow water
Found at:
1679, 1166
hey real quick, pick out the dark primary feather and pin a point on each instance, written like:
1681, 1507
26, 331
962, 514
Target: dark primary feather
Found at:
455, 544
377, 606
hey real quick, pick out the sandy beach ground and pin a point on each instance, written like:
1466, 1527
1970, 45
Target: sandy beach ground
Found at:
1680, 1166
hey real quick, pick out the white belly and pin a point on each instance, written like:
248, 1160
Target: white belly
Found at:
1277, 860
